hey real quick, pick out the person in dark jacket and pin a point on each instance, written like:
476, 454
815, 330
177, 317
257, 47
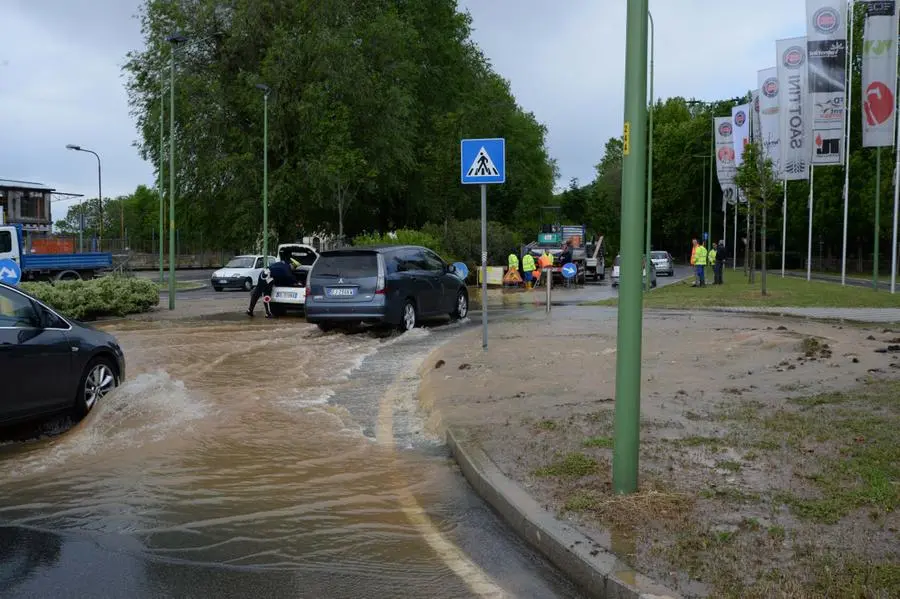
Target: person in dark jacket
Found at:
719, 266
278, 273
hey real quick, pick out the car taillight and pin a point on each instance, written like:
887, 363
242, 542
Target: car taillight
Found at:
379, 284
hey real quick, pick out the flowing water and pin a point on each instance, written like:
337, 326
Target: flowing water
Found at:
256, 459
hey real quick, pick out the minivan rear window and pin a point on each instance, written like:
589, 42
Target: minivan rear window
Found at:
659, 255
355, 265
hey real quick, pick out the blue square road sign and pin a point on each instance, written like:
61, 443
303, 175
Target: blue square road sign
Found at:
483, 161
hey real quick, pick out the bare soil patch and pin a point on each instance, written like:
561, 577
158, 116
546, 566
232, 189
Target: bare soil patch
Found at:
770, 456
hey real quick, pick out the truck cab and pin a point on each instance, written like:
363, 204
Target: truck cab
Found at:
11, 244
50, 267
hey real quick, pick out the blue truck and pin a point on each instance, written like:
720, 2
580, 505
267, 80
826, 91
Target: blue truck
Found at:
50, 267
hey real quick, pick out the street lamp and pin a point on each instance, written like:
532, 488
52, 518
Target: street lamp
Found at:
99, 185
173, 40
650, 153
161, 198
266, 91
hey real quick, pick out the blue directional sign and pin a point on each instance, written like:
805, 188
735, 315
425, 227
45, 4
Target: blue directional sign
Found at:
483, 161
462, 271
10, 273
569, 270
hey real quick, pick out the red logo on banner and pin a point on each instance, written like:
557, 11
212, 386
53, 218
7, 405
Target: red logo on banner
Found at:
879, 103
726, 153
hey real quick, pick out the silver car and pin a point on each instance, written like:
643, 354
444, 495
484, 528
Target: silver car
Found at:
617, 265
663, 263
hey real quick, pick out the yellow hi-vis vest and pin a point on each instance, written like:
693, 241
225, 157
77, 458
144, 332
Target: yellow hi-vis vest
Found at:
528, 263
712, 256
513, 262
700, 259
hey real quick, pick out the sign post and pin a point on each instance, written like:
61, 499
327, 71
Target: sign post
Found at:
634, 187
483, 162
10, 273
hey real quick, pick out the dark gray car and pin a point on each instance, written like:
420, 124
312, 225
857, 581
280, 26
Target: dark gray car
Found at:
49, 363
393, 285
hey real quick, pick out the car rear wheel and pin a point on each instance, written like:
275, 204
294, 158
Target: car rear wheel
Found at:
99, 378
462, 307
217, 288
325, 327
248, 284
408, 319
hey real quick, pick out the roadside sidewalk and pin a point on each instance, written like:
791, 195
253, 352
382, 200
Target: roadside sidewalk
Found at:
733, 501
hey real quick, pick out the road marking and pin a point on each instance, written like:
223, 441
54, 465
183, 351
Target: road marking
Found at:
468, 571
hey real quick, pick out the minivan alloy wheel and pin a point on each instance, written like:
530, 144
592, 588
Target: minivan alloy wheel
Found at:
409, 317
99, 381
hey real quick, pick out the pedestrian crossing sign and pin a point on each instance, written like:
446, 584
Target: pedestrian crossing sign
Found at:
483, 161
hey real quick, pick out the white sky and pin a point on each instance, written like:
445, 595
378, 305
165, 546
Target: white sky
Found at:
61, 80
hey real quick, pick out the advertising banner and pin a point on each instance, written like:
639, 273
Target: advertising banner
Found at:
793, 107
725, 157
770, 117
826, 35
740, 120
879, 73
755, 134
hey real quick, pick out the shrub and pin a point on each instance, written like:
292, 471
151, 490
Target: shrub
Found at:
401, 237
88, 300
461, 240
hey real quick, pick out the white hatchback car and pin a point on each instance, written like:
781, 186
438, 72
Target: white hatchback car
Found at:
615, 272
241, 272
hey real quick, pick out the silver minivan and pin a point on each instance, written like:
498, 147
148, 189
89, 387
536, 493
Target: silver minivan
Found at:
392, 285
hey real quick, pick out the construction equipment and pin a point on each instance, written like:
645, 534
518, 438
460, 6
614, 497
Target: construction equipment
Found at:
551, 238
596, 260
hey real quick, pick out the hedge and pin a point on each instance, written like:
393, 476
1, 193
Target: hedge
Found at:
457, 241
88, 300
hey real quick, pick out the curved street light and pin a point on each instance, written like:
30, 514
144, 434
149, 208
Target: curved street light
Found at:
78, 148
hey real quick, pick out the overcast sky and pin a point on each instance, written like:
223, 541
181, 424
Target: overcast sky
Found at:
61, 80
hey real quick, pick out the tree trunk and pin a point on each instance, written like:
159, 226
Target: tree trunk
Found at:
752, 248
764, 265
747, 245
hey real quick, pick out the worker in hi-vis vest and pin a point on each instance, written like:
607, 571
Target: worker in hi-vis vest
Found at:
711, 260
528, 270
513, 261
700, 259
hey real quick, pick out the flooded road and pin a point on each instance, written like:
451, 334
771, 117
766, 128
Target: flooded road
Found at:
255, 458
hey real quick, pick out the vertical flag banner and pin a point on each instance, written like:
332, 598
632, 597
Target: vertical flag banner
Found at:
770, 117
725, 168
879, 73
755, 132
793, 106
740, 119
826, 34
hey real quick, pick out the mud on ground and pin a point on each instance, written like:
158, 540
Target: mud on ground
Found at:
770, 448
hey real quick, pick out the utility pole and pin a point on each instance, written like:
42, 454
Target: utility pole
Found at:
650, 153
634, 186
265, 248
173, 40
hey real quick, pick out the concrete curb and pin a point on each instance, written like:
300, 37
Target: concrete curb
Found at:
874, 316
591, 566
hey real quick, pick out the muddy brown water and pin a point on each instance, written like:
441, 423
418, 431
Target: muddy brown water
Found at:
252, 450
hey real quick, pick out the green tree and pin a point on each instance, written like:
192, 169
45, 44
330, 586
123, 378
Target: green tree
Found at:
368, 104
756, 178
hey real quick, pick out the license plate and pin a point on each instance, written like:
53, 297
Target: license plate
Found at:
286, 294
341, 292
223, 281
